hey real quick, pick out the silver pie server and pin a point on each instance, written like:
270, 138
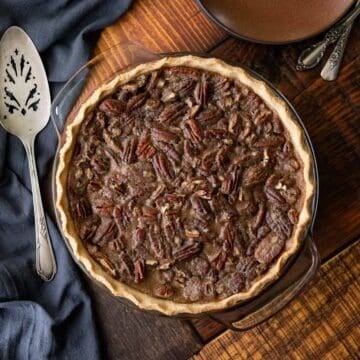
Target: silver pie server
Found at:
331, 68
312, 56
24, 112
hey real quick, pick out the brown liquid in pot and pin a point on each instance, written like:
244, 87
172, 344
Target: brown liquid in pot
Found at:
277, 20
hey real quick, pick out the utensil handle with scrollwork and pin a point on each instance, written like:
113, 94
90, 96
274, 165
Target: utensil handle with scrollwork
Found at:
45, 260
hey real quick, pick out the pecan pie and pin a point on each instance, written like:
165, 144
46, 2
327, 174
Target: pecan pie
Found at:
184, 185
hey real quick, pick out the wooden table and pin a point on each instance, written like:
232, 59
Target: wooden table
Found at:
331, 114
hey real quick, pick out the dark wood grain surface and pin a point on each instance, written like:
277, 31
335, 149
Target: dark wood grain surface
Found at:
330, 112
131, 334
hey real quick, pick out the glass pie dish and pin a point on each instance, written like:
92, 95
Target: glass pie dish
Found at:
123, 57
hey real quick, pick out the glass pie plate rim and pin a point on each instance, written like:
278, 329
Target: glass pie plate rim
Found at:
273, 297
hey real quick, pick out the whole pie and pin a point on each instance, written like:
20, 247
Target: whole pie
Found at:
184, 185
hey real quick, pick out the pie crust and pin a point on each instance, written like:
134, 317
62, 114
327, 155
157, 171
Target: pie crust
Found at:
135, 296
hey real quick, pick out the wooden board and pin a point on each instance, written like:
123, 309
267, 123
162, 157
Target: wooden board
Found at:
323, 323
163, 25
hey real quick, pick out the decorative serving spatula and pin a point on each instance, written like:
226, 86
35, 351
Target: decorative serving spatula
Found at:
24, 112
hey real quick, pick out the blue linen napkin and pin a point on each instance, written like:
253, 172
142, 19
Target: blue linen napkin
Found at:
41, 320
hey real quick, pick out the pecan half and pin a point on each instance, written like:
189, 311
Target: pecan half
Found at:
129, 151
194, 132
83, 208
220, 84
277, 126
201, 208
221, 207
145, 150
229, 235
268, 249
201, 91
220, 260
232, 182
184, 86
139, 237
139, 270
161, 167
160, 134
186, 251
136, 101
270, 141
171, 113
217, 133
108, 233
273, 196
121, 217
149, 213
209, 116
112, 107
170, 151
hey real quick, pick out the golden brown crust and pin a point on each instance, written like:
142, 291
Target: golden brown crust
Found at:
146, 301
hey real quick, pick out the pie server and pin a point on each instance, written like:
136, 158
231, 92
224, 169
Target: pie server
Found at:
24, 112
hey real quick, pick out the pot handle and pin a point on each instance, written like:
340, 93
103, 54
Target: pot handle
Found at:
276, 297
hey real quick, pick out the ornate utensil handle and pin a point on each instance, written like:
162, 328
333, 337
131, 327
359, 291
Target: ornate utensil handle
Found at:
311, 56
45, 260
331, 69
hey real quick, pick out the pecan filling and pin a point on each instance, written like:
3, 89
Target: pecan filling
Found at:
184, 185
